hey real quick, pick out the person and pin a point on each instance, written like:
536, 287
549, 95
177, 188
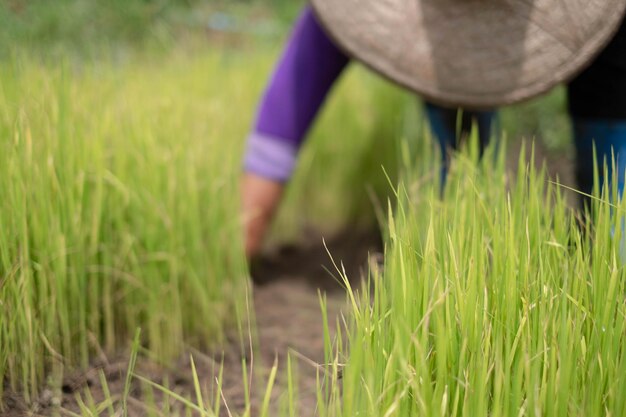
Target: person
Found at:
312, 62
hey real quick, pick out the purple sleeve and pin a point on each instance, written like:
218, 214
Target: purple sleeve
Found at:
306, 72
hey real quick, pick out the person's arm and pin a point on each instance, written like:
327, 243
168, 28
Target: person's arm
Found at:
307, 70
260, 198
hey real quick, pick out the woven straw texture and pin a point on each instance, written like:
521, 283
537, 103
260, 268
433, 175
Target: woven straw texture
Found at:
473, 53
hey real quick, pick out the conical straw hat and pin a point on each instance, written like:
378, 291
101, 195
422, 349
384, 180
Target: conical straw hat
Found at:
473, 53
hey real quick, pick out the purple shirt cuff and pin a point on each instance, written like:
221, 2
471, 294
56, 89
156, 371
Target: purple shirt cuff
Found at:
270, 157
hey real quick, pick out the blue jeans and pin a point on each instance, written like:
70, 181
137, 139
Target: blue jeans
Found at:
609, 139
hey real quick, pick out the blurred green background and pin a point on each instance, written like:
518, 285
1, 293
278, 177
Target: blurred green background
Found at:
88, 25
251, 33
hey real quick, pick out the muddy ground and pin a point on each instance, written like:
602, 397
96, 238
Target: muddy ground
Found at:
288, 282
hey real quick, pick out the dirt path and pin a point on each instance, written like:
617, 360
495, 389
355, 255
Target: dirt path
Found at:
287, 304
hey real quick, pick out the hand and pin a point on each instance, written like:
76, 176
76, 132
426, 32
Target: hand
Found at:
260, 197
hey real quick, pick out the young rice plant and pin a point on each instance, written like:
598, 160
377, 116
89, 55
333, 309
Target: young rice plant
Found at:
495, 301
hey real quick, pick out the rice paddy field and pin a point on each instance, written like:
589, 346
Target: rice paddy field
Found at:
124, 288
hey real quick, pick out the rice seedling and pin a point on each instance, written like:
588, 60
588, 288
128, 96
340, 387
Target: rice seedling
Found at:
119, 207
118, 211
493, 302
